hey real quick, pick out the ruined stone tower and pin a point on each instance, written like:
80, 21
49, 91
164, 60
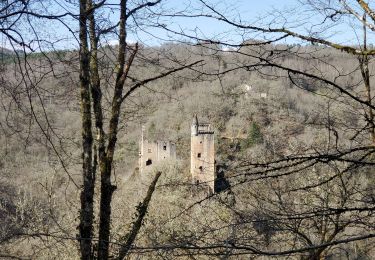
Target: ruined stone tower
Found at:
202, 154
151, 152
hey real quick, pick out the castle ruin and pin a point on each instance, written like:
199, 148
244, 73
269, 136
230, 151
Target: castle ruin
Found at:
202, 154
151, 152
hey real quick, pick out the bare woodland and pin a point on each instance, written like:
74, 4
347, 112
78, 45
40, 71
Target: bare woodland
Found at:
291, 103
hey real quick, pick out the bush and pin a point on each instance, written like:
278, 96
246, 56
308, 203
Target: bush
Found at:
254, 136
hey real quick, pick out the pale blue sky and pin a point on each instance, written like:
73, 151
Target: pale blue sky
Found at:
249, 11
254, 12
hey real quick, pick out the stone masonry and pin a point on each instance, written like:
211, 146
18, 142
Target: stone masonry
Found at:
202, 154
151, 152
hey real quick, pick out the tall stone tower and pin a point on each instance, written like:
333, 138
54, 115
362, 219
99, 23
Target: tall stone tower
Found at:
202, 154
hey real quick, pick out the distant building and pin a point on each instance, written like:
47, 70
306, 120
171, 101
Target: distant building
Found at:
251, 91
202, 154
151, 152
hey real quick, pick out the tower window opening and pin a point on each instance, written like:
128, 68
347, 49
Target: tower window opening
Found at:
201, 168
148, 162
164, 147
199, 155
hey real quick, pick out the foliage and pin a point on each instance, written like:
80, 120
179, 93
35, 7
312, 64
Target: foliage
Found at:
254, 136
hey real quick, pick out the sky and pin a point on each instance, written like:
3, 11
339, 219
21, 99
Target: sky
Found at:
258, 12
255, 12
263, 13
249, 10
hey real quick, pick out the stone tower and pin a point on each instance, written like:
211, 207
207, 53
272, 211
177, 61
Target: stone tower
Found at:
202, 154
151, 152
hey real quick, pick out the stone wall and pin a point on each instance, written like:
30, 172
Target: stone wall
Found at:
151, 152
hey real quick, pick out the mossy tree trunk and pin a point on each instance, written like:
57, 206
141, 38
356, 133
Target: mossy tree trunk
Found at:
87, 193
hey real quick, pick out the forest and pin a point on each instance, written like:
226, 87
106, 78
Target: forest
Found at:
288, 95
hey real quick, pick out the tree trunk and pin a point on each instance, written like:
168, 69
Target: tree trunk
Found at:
364, 62
87, 193
142, 210
107, 188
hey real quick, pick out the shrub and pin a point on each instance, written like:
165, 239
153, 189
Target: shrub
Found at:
254, 136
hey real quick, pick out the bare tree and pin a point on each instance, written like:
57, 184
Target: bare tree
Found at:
100, 120
100, 155
347, 149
